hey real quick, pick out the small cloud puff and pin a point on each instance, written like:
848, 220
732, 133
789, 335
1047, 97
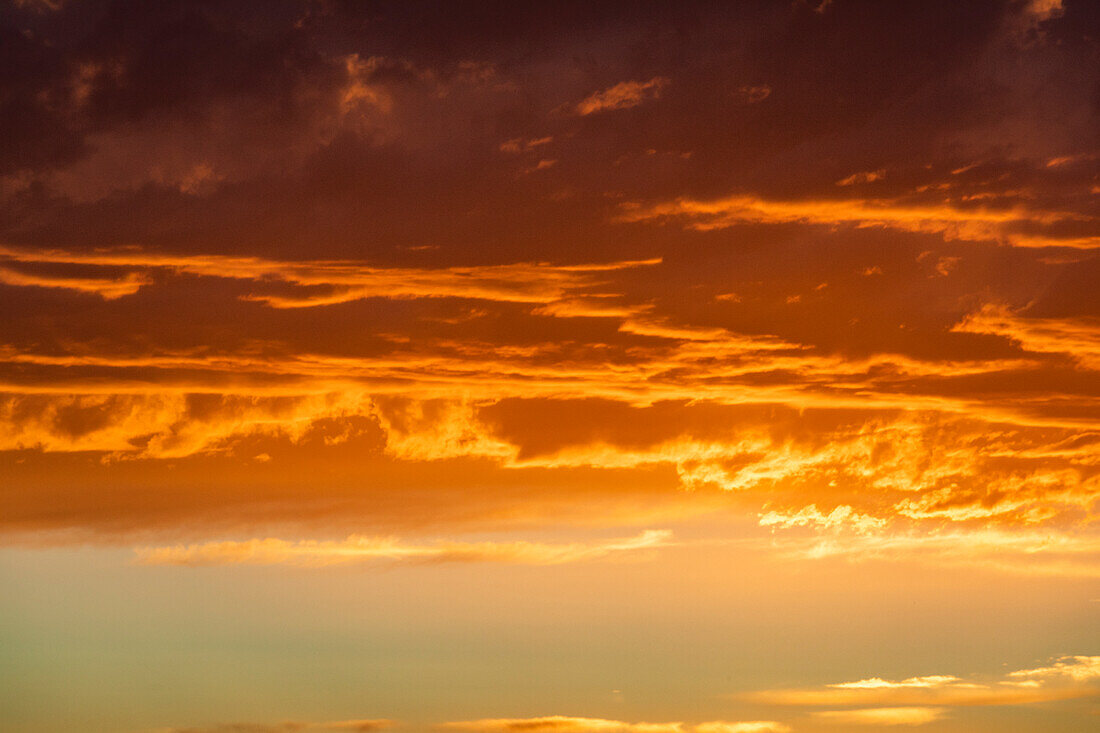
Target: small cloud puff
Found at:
622, 96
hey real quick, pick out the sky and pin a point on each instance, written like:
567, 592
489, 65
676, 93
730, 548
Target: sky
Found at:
549, 367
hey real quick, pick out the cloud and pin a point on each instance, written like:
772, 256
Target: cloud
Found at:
340, 281
1067, 678
1077, 339
948, 696
1011, 550
752, 94
358, 549
276, 275
749, 726
1076, 668
882, 716
560, 724
623, 96
248, 240
520, 145
1024, 26
105, 287
877, 683
542, 165
862, 177
294, 726
360, 92
841, 516
1007, 496
563, 724
163, 424
949, 220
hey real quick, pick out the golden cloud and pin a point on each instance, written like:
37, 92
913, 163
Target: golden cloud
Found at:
882, 716
951, 221
564, 724
1055, 552
1069, 677
290, 726
358, 549
1076, 668
344, 280
1077, 339
105, 287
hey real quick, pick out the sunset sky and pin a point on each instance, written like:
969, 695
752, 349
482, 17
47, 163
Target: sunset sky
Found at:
549, 367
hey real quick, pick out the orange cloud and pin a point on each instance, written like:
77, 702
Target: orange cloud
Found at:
1077, 339
882, 716
359, 93
165, 425
954, 222
308, 303
546, 406
1014, 497
519, 144
343, 281
560, 724
862, 177
356, 549
290, 726
105, 287
564, 724
841, 516
747, 726
622, 96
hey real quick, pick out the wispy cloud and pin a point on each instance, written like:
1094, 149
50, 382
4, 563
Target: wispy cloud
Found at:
622, 96
289, 726
359, 549
862, 177
1078, 339
565, 724
1005, 549
882, 716
951, 221
108, 288
559, 724
322, 282
746, 726
1066, 678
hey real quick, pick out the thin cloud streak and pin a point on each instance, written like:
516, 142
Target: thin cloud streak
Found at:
1067, 678
105, 287
952, 222
360, 549
1015, 550
566, 724
882, 716
290, 726
525, 282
